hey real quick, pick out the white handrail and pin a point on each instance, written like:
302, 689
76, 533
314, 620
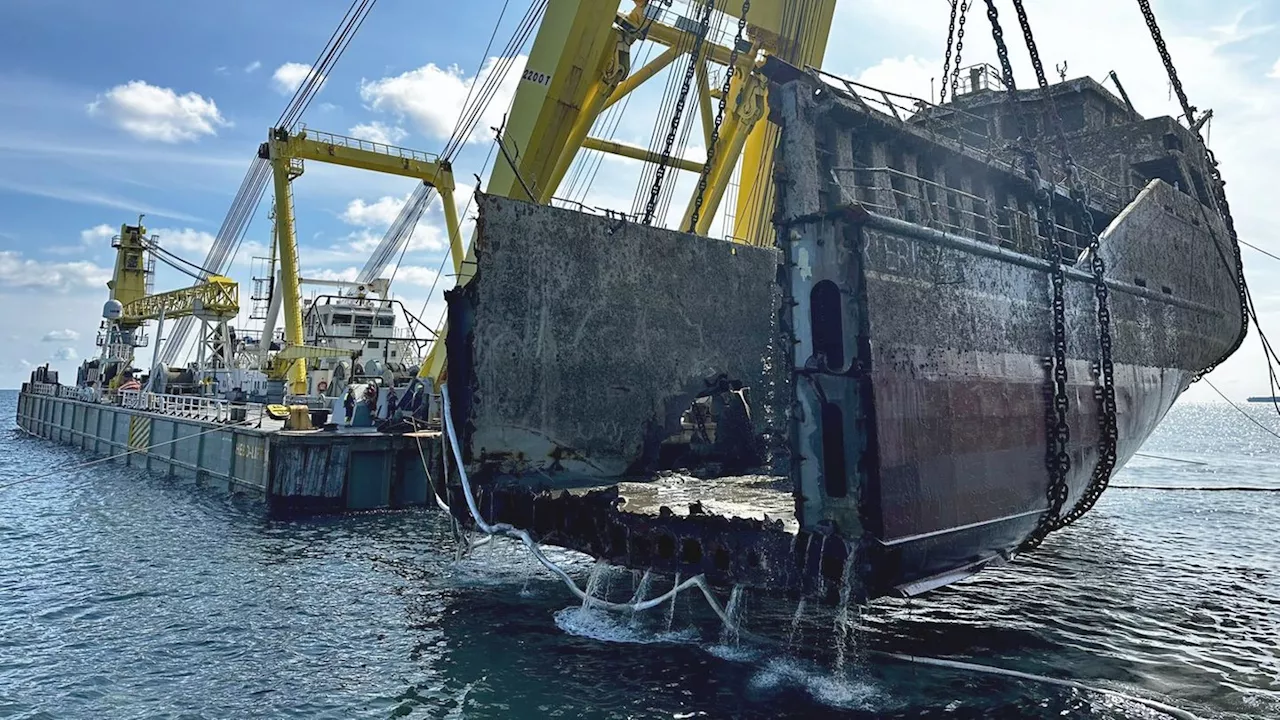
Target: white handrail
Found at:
194, 407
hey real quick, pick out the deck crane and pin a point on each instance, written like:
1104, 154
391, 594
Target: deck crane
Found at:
214, 301
287, 152
580, 66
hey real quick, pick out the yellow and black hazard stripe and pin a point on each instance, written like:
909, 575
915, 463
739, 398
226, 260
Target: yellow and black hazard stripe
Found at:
139, 432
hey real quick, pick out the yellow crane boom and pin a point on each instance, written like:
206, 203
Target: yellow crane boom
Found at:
215, 299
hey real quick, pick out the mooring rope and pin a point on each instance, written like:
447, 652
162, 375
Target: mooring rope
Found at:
1169, 710
505, 529
1170, 459
108, 458
1199, 488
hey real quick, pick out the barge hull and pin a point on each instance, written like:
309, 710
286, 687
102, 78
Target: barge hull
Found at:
305, 472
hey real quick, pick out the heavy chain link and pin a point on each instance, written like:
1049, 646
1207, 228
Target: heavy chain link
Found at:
1106, 396
1219, 186
652, 205
1057, 430
715, 131
946, 63
955, 74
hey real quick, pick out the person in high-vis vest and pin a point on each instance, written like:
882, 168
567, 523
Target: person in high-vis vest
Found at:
130, 382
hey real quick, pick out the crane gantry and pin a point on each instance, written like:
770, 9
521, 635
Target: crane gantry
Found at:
288, 151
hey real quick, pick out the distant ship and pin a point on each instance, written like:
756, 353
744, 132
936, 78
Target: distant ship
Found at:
1264, 398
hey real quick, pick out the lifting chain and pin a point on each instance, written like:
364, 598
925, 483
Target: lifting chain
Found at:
694, 57
1057, 431
1052, 519
1219, 191
1108, 432
946, 63
715, 131
955, 74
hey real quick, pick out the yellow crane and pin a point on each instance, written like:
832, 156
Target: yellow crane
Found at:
215, 300
580, 66
288, 151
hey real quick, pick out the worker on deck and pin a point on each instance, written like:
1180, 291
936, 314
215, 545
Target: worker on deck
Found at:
130, 382
349, 403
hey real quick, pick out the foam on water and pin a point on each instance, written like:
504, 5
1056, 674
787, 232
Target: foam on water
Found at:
833, 689
608, 627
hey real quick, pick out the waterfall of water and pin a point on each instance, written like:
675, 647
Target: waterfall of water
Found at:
642, 592
593, 583
795, 624
729, 633
671, 609
844, 621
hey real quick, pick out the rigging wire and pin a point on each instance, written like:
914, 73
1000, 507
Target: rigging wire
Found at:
1241, 410
173, 259
662, 125
400, 234
253, 187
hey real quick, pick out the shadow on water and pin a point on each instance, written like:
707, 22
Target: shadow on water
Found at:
125, 594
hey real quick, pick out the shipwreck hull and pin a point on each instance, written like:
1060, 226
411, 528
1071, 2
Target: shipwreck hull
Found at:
921, 324
898, 340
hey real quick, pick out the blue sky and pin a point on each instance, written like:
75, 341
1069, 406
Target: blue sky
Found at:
108, 109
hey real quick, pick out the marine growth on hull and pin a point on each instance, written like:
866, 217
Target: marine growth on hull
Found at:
876, 397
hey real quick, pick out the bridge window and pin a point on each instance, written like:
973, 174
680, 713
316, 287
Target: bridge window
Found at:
341, 319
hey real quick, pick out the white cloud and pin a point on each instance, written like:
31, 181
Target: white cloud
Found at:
378, 214
97, 234
155, 113
60, 336
64, 354
252, 67
908, 76
1275, 71
433, 97
289, 77
17, 272
416, 275
379, 133
346, 274
187, 243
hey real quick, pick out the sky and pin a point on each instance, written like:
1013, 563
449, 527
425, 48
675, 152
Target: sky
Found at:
109, 110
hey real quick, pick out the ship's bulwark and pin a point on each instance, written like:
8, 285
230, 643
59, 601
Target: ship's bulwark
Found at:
915, 394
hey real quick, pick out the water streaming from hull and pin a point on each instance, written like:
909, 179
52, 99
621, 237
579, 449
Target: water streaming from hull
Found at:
671, 608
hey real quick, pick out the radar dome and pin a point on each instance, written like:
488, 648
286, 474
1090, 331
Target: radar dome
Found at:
112, 309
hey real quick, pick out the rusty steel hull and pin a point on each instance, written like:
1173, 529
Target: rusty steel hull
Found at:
921, 325
897, 342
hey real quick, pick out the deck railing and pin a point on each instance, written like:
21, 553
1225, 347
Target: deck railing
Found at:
192, 407
892, 192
